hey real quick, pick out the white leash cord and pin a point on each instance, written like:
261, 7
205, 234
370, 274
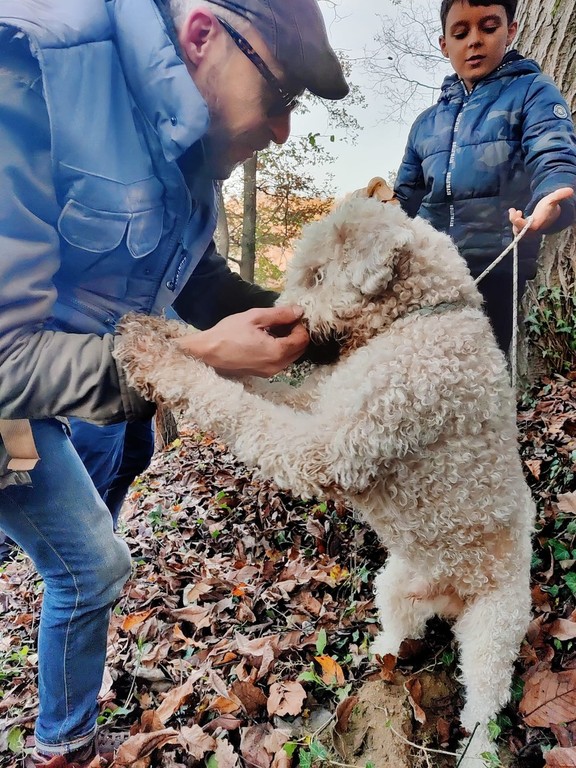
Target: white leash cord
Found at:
512, 247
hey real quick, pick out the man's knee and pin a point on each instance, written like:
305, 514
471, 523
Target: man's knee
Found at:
113, 572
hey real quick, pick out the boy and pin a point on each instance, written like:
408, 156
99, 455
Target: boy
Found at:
498, 145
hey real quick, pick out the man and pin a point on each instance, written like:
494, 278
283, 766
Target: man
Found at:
114, 124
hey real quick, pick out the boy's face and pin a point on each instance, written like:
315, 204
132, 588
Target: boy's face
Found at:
475, 39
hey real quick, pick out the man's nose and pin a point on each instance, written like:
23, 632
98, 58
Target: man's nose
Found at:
280, 127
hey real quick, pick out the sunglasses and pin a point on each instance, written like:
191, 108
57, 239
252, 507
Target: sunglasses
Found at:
285, 101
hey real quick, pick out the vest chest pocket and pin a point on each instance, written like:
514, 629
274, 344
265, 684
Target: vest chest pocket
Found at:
99, 231
99, 214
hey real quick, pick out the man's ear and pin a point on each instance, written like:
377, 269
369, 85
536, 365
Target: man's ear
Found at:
512, 30
197, 33
443, 48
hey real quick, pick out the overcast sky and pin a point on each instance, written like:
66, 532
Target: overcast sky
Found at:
380, 145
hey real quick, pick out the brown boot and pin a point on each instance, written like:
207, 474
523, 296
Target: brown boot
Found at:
85, 756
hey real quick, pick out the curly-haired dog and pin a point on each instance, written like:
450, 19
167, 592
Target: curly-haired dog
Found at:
413, 426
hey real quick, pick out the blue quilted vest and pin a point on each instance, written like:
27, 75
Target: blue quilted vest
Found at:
122, 110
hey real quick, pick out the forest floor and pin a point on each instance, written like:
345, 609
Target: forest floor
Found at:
242, 635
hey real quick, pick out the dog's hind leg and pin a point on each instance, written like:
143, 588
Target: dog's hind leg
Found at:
401, 615
489, 632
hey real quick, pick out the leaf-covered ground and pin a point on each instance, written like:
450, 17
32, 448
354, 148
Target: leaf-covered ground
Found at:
241, 638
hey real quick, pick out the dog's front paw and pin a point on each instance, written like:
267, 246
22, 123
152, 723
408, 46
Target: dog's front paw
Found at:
143, 347
384, 644
135, 326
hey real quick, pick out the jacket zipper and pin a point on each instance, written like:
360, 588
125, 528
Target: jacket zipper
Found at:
448, 182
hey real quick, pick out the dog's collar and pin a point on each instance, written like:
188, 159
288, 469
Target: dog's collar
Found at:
444, 306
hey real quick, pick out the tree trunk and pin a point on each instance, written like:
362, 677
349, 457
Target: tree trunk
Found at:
222, 235
165, 427
547, 33
248, 257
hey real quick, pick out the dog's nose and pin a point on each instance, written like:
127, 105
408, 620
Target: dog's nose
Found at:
322, 351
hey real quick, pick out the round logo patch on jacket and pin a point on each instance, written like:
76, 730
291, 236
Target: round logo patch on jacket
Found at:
560, 110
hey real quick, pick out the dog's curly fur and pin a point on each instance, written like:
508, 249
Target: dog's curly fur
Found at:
413, 426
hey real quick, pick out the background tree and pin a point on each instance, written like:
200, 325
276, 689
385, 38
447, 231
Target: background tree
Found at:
406, 66
547, 33
248, 241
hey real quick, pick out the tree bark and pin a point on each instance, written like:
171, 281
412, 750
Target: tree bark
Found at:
222, 235
165, 427
248, 257
547, 33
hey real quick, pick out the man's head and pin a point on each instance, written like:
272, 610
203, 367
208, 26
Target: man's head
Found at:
475, 35
250, 60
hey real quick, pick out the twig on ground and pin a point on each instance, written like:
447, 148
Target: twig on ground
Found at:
426, 750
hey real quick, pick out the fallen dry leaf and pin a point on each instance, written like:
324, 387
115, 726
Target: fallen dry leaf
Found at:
387, 665
225, 755
343, 712
253, 747
567, 503
549, 697
196, 742
143, 744
414, 688
332, 673
281, 760
561, 757
225, 705
177, 697
253, 699
535, 466
150, 722
224, 722
562, 629
286, 698
134, 620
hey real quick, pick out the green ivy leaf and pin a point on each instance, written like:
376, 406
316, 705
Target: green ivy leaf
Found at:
321, 642
570, 579
290, 747
16, 740
318, 751
494, 730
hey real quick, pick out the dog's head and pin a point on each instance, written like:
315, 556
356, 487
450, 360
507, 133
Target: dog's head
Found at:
366, 264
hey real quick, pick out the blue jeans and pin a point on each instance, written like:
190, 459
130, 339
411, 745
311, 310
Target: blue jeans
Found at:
114, 456
65, 527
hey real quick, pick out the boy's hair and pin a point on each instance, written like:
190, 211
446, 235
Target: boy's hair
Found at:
508, 5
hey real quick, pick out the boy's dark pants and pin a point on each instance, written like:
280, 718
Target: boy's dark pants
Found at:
496, 288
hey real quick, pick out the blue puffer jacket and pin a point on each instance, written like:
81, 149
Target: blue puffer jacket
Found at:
472, 156
104, 206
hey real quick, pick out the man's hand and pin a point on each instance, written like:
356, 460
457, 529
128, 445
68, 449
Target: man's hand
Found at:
259, 342
545, 213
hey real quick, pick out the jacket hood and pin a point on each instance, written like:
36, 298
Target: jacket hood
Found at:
513, 63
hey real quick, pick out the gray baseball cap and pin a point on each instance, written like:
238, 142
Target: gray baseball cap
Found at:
295, 34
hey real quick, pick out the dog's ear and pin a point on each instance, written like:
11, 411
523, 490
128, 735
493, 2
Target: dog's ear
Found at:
373, 259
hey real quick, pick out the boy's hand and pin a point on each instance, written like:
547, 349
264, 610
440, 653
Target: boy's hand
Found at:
545, 213
259, 342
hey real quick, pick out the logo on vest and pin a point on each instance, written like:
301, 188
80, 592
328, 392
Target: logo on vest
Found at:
560, 110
